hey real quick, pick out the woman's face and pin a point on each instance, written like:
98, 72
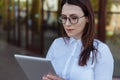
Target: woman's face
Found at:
75, 13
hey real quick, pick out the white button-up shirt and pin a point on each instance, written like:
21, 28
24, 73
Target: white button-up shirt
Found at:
64, 55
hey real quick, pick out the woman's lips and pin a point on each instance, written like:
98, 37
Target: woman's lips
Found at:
69, 30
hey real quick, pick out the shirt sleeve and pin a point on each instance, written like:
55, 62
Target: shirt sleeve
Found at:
50, 52
104, 64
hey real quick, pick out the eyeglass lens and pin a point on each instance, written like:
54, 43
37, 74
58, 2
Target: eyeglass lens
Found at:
73, 19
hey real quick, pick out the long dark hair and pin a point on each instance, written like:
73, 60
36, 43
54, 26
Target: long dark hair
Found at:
88, 32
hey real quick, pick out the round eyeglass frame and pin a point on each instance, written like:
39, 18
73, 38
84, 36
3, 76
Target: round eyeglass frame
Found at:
68, 18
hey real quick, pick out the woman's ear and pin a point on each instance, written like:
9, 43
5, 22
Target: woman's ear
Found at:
87, 20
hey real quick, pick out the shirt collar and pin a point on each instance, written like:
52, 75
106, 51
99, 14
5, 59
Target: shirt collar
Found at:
73, 40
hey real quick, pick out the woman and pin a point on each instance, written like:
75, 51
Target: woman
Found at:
77, 55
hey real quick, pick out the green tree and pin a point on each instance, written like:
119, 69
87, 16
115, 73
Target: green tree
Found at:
36, 15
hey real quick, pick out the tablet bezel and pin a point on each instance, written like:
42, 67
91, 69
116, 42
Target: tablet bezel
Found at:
34, 67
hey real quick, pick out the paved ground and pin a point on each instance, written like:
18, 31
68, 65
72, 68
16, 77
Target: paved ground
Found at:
9, 68
114, 44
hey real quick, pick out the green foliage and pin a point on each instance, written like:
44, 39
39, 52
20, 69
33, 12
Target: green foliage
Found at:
109, 4
0, 7
95, 4
0, 4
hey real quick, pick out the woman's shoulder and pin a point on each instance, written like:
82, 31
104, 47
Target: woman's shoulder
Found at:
104, 53
103, 50
99, 44
59, 40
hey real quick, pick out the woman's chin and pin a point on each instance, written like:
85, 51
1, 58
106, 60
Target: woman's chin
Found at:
70, 35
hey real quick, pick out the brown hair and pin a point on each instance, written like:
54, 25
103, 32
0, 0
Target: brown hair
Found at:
88, 32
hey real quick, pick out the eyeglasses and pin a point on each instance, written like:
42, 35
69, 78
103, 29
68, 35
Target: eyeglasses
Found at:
72, 19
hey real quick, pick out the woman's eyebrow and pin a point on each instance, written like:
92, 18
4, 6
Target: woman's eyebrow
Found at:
69, 15
73, 15
63, 15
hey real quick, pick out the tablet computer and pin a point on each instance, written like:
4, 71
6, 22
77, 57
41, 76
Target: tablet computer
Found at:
34, 67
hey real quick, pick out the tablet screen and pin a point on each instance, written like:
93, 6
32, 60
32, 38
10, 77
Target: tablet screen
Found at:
34, 67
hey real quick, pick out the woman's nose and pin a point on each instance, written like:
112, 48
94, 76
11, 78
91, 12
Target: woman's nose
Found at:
68, 22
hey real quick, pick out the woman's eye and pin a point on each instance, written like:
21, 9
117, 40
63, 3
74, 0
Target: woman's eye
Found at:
64, 18
74, 17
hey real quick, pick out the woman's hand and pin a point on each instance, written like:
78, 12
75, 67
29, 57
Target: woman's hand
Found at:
51, 77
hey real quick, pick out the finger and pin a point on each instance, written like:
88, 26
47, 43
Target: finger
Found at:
45, 78
52, 77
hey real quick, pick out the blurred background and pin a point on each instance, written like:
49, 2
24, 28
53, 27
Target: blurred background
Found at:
32, 25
